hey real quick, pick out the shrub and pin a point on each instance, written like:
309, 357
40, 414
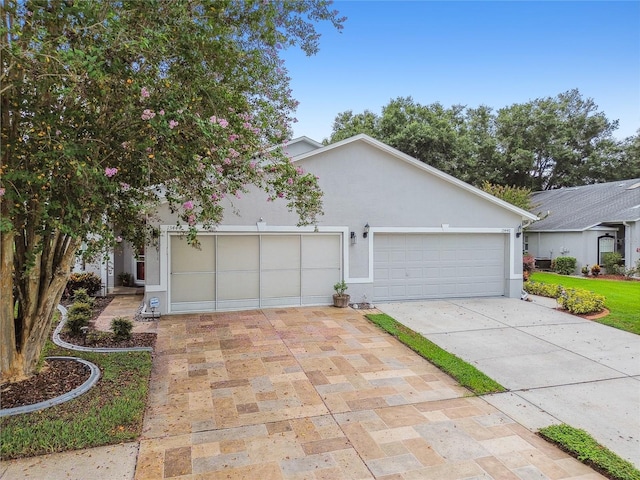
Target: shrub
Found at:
580, 301
542, 289
121, 328
565, 265
87, 280
81, 296
81, 307
595, 270
126, 279
585, 270
611, 262
528, 263
78, 316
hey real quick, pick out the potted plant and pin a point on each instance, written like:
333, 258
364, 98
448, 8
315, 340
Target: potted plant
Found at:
340, 299
585, 270
595, 270
126, 279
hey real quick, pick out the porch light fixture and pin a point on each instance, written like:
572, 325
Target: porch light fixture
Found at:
354, 238
365, 234
519, 231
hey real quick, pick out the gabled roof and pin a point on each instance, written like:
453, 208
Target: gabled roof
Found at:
581, 208
418, 164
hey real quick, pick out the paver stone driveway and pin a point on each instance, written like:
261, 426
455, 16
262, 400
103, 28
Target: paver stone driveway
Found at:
319, 392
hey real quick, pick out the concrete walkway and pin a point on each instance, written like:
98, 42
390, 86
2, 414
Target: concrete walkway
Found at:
559, 368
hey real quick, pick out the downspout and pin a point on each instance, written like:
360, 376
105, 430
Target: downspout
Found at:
627, 246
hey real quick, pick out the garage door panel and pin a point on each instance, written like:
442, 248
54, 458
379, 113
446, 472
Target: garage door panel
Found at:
186, 258
238, 252
280, 283
280, 252
416, 266
194, 287
318, 251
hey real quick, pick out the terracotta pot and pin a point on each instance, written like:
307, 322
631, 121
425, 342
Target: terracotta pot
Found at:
341, 301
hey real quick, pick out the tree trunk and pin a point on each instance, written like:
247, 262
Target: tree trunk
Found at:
39, 289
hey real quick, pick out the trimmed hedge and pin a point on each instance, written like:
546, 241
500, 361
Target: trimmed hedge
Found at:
565, 265
576, 300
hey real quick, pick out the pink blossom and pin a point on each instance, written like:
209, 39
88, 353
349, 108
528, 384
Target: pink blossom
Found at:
246, 125
200, 166
110, 172
238, 195
280, 194
172, 124
161, 112
252, 165
290, 181
125, 145
227, 161
191, 219
118, 239
149, 149
125, 187
147, 114
223, 123
58, 132
219, 169
2, 190
188, 205
234, 153
233, 137
215, 197
144, 93
213, 119
299, 170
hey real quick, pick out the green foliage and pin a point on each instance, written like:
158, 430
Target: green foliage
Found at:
110, 413
580, 301
109, 108
82, 296
586, 449
78, 316
542, 289
541, 144
340, 287
611, 262
518, 196
467, 375
88, 281
121, 328
622, 297
564, 265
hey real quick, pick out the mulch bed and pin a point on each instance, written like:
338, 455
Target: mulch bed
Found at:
55, 378
61, 376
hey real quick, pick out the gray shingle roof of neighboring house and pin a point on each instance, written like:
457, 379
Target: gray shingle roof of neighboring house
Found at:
580, 208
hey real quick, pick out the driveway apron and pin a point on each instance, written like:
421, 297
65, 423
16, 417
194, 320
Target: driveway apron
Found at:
559, 368
321, 393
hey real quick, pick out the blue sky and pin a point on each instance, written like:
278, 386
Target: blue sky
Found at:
470, 53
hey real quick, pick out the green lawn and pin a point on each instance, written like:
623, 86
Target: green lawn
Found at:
111, 412
622, 297
466, 374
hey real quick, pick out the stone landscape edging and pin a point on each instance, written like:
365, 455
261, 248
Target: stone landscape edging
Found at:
65, 397
61, 343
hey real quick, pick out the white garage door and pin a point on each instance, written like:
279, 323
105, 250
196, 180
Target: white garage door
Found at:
232, 271
423, 266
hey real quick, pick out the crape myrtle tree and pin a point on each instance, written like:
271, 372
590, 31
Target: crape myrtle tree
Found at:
109, 106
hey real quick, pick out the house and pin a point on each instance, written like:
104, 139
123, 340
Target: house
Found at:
393, 228
586, 222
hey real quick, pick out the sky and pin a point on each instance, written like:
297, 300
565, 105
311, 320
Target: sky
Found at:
470, 53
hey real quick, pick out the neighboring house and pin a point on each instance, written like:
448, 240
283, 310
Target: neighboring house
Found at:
587, 222
393, 228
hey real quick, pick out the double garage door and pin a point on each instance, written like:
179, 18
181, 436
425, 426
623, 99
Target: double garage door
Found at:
427, 266
234, 271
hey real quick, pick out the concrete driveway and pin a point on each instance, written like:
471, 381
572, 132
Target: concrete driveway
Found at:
559, 368
321, 393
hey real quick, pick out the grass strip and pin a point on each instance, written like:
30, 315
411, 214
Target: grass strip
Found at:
586, 449
467, 375
111, 412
